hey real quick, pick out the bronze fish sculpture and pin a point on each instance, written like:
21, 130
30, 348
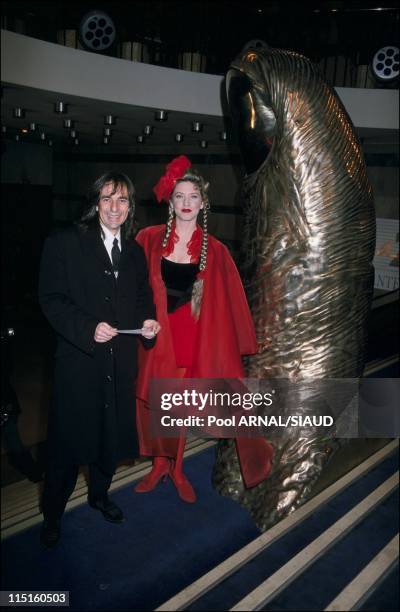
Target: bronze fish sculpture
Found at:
308, 244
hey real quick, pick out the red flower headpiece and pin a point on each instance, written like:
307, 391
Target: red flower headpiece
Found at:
174, 171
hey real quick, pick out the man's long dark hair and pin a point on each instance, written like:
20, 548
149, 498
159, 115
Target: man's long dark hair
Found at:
90, 216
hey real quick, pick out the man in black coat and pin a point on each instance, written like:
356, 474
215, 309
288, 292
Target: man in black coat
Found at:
93, 282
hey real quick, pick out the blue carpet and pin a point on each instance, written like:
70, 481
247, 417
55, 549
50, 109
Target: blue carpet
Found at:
386, 596
163, 546
234, 588
336, 568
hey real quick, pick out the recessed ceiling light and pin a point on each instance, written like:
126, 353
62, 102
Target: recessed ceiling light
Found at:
42, 136
68, 124
148, 130
50, 143
203, 144
196, 126
24, 130
161, 115
19, 113
76, 141
179, 137
3, 129
107, 132
109, 120
106, 140
223, 135
140, 139
73, 133
60, 107
32, 127
17, 137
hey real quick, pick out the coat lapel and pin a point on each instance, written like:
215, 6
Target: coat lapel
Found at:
126, 253
95, 247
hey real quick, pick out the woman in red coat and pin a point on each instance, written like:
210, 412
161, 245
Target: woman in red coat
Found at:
205, 321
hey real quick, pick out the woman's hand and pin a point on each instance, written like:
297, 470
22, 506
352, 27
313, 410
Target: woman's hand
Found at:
150, 328
104, 332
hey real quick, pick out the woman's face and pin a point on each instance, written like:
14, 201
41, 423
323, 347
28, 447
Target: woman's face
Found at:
186, 200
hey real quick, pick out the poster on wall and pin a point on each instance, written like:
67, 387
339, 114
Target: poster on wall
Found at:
386, 260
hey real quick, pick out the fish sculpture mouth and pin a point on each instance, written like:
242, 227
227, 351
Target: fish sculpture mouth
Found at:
253, 118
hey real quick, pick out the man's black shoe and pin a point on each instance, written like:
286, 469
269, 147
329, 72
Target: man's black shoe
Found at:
50, 533
109, 510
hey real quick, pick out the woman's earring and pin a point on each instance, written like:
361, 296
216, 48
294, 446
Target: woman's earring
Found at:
97, 208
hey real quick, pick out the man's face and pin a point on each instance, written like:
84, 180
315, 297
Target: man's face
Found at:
113, 206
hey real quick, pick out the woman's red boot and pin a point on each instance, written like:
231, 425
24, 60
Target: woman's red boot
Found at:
160, 470
183, 486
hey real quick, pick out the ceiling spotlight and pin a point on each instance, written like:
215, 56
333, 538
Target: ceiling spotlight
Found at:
68, 124
203, 144
32, 127
107, 132
106, 140
109, 120
24, 131
196, 126
18, 113
161, 115
50, 143
76, 141
223, 136
148, 130
179, 137
73, 133
17, 137
42, 136
140, 139
60, 107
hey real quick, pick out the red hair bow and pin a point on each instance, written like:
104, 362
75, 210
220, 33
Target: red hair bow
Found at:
174, 171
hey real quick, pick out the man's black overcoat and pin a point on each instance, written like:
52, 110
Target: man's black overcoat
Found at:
92, 417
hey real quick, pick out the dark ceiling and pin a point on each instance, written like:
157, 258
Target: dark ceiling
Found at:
219, 28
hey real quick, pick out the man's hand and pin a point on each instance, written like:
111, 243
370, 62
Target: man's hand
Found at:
150, 328
104, 332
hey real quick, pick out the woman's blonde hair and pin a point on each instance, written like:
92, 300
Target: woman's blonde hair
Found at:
194, 177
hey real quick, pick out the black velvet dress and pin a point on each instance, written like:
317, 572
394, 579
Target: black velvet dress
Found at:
179, 279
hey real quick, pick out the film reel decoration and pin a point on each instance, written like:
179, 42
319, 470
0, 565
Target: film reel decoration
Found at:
97, 31
385, 65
